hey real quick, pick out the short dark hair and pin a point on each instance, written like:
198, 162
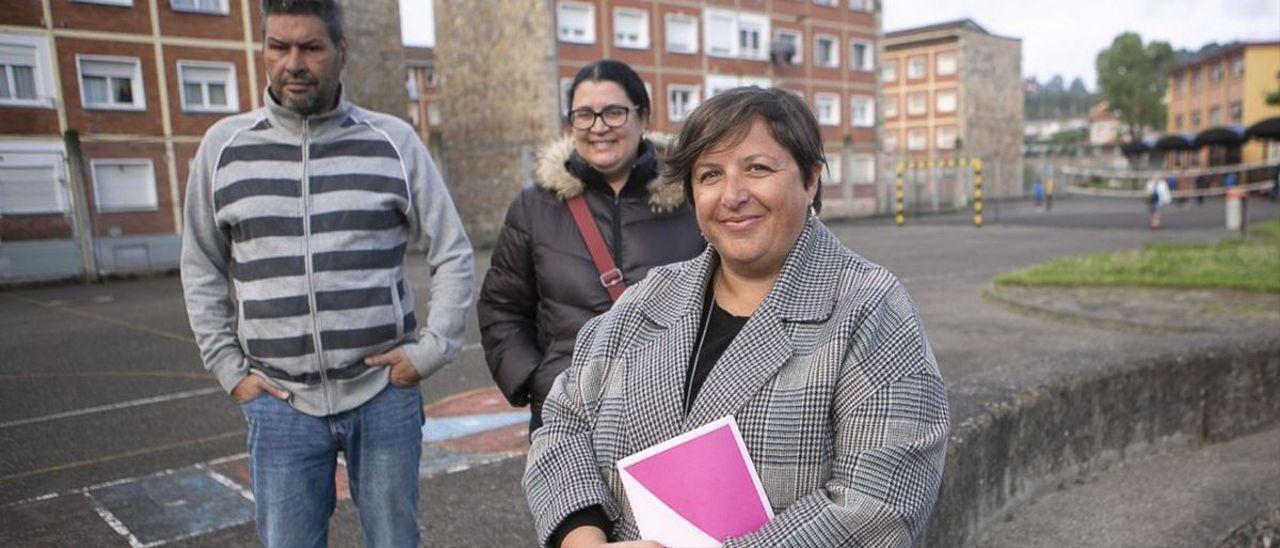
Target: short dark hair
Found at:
328, 11
617, 72
726, 118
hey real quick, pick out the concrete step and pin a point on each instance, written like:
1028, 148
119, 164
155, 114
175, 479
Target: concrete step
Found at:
1194, 498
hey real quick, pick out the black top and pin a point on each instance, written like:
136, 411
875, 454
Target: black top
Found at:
715, 332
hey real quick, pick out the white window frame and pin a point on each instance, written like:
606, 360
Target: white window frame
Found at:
94, 165
126, 3
588, 32
866, 6
890, 142
835, 167
716, 83
941, 142
924, 103
938, 101
694, 100
889, 71
868, 61
867, 173
713, 17
924, 139
864, 117
797, 39
682, 18
827, 2
411, 82
221, 9
832, 99
139, 90
233, 95
565, 84
946, 69
21, 155
834, 62
642, 40
42, 72
891, 106
923, 63
760, 25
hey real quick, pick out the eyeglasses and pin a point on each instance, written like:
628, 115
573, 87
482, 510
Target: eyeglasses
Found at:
613, 116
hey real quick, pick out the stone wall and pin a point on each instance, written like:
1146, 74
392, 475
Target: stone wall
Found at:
992, 109
375, 73
498, 86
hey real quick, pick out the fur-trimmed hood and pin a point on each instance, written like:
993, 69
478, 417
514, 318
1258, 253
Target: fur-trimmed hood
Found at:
551, 174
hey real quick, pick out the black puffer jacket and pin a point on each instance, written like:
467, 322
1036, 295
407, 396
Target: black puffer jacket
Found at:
542, 285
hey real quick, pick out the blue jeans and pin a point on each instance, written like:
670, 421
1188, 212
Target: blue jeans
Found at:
293, 457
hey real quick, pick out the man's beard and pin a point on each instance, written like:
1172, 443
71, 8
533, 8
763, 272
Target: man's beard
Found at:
313, 102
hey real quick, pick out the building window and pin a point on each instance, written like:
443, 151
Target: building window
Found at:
210, 87
25, 76
1177, 122
945, 137
917, 139
861, 5
891, 106
1215, 116
124, 185
834, 173
576, 22
889, 72
411, 83
863, 169
1216, 73
565, 84
1237, 112
681, 100
915, 68
30, 184
917, 104
199, 6
1195, 79
862, 111
861, 55
827, 108
1237, 68
111, 83
682, 33
946, 101
716, 83
721, 32
791, 43
631, 28
827, 2
1195, 119
107, 2
825, 51
891, 142
733, 34
433, 114
753, 32
946, 64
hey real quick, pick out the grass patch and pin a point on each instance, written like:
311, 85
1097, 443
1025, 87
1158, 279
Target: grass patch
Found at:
1244, 265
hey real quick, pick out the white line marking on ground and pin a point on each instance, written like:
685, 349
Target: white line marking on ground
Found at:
115, 406
114, 522
227, 482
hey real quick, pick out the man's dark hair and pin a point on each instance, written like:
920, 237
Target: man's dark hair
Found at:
327, 10
608, 70
725, 119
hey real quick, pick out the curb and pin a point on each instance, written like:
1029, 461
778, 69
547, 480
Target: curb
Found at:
994, 294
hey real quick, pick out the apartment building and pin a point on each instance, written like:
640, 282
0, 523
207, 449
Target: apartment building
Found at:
825, 51
103, 104
953, 90
1224, 88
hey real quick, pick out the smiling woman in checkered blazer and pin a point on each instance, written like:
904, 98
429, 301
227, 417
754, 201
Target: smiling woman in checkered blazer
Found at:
819, 354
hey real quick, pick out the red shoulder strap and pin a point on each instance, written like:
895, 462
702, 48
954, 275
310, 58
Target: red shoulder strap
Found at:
610, 276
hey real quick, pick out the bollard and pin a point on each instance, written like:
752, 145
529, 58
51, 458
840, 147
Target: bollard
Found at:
977, 192
898, 195
1235, 209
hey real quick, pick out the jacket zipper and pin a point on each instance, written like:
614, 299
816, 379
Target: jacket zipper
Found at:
306, 242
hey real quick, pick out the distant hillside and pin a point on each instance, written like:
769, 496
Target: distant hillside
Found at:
1054, 100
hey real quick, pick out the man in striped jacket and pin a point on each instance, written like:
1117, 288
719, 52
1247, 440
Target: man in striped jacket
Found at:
297, 219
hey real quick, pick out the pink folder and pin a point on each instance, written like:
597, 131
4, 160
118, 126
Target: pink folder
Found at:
697, 489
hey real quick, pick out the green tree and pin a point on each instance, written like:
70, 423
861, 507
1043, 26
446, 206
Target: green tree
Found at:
1132, 79
1273, 97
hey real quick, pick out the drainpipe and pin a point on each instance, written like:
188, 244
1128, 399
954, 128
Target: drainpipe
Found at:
81, 221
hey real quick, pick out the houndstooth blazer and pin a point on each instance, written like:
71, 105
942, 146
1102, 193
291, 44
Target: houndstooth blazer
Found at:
832, 382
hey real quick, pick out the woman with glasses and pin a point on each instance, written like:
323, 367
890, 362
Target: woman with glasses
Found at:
543, 283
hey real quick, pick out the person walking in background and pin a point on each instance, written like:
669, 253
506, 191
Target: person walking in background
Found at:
544, 283
1037, 194
819, 354
296, 222
1157, 196
1049, 186
1202, 184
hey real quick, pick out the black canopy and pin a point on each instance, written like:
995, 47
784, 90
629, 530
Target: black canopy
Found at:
1230, 136
1266, 129
1176, 141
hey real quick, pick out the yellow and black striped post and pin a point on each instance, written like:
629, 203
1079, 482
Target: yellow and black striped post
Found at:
977, 192
898, 195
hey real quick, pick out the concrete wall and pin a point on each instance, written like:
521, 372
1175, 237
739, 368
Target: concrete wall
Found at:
374, 77
992, 110
39, 260
498, 102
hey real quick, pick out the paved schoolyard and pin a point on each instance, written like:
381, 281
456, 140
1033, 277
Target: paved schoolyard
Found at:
112, 435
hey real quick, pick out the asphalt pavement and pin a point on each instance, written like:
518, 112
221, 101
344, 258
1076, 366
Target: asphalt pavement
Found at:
111, 434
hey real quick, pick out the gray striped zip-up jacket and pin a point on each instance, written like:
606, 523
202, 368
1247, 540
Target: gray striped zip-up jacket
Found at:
293, 252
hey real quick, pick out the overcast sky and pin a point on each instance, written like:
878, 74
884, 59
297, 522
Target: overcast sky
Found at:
1058, 36
1064, 37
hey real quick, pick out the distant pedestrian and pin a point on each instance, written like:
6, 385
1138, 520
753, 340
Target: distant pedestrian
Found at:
1229, 180
1202, 185
297, 218
1048, 193
1037, 194
1157, 196
543, 284
1171, 184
